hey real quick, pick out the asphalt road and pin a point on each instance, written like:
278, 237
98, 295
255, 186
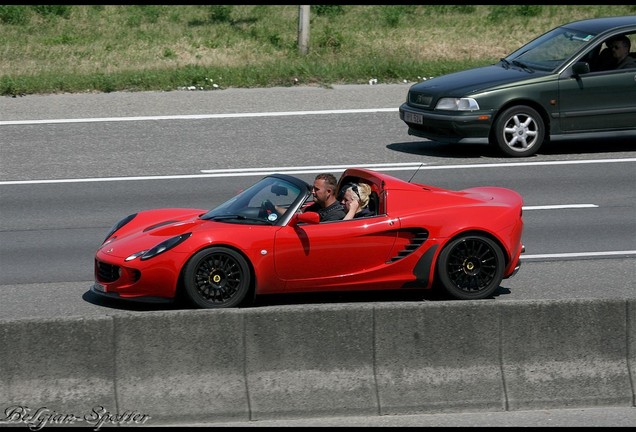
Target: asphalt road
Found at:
72, 165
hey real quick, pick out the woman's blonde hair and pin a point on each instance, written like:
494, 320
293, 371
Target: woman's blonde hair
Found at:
362, 191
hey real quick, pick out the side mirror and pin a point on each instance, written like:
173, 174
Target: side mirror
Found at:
580, 68
309, 217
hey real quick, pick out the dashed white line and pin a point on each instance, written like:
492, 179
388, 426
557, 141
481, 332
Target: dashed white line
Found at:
240, 172
560, 206
196, 116
626, 254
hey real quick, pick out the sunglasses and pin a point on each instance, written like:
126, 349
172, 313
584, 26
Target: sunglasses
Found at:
352, 186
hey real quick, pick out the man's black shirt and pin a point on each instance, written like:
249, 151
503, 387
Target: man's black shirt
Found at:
334, 212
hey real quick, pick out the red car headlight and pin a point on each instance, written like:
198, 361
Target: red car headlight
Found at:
160, 248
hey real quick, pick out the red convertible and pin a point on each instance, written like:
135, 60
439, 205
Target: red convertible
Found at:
418, 237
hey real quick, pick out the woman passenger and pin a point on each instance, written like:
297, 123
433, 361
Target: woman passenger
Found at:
355, 199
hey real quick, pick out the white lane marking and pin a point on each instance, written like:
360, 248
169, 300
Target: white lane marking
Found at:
309, 169
524, 164
241, 172
555, 207
422, 166
626, 253
196, 116
244, 172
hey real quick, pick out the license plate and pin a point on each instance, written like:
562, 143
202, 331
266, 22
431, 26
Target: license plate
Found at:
100, 288
410, 117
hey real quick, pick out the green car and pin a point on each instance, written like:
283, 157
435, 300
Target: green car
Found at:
566, 81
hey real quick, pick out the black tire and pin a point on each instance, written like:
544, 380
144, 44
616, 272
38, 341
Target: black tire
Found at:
519, 131
217, 277
471, 267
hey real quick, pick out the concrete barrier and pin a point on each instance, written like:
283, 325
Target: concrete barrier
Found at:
310, 361
59, 364
570, 354
319, 361
441, 358
179, 366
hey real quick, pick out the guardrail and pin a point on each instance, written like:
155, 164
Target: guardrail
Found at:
319, 361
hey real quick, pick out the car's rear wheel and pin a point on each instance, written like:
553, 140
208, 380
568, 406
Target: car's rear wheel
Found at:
519, 131
217, 277
471, 267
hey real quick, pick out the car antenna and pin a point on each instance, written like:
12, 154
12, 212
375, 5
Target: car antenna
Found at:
418, 168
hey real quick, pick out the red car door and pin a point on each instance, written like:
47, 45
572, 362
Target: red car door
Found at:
330, 255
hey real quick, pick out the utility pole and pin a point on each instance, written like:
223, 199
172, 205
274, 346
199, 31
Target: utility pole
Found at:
303, 29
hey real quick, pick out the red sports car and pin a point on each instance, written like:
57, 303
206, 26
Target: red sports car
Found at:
418, 237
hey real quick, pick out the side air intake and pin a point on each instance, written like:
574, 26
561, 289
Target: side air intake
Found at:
417, 239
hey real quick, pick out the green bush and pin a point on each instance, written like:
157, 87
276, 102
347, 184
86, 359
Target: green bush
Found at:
327, 10
53, 10
219, 14
500, 13
16, 15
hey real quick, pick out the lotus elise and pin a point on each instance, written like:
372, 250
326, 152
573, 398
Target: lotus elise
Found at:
260, 242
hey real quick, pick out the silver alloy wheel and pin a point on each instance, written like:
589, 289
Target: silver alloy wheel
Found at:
519, 131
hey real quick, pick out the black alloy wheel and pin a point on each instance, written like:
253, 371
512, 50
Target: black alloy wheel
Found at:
217, 277
471, 267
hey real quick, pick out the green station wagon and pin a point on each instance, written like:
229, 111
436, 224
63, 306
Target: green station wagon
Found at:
563, 82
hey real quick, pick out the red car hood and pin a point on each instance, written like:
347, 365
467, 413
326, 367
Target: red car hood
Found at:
151, 227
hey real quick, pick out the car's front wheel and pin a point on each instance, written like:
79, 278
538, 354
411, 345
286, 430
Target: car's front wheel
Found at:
519, 131
471, 267
216, 278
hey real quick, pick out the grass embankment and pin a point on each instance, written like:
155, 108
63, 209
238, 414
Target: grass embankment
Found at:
55, 48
